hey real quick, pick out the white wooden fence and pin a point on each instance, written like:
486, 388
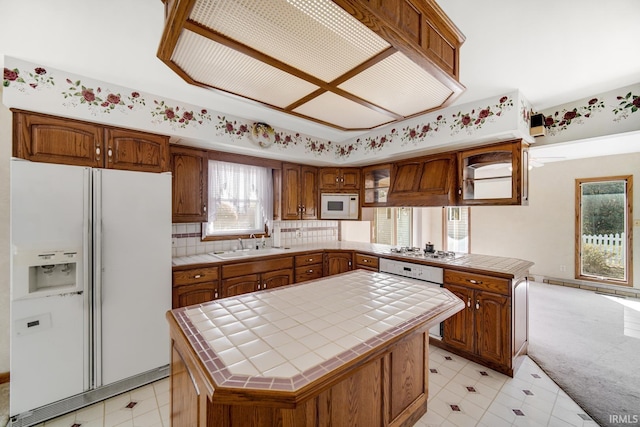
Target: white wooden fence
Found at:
613, 245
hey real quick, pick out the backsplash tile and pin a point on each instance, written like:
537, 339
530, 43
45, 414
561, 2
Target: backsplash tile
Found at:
186, 238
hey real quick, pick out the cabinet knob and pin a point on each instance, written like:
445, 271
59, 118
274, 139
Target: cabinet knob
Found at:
197, 276
310, 259
365, 260
215, 294
110, 154
337, 179
309, 271
469, 302
477, 304
264, 286
204, 208
342, 179
259, 286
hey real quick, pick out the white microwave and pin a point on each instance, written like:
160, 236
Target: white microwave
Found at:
339, 206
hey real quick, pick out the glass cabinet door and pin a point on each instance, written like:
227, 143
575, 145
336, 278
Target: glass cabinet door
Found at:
495, 174
377, 180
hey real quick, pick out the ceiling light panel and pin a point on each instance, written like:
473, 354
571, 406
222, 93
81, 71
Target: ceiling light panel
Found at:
314, 36
399, 85
343, 112
218, 66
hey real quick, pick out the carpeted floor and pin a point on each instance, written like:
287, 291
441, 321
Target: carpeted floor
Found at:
589, 344
4, 404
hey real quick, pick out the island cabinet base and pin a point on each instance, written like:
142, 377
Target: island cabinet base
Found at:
387, 387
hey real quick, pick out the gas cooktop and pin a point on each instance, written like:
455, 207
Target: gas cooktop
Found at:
423, 254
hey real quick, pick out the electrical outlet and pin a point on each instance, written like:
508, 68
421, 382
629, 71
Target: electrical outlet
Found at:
298, 233
563, 268
636, 222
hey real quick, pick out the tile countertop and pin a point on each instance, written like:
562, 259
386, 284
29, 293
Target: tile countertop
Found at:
285, 338
501, 266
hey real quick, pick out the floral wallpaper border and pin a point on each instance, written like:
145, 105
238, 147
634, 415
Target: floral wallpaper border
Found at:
441, 128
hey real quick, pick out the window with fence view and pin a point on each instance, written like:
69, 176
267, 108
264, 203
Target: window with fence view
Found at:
603, 215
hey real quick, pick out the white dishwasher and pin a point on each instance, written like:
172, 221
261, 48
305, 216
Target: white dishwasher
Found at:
432, 276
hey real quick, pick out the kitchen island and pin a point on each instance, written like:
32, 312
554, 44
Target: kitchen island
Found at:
350, 349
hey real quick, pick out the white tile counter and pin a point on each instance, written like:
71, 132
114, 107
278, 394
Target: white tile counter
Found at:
285, 338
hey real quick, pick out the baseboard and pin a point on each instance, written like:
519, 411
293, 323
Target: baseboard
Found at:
591, 286
4, 377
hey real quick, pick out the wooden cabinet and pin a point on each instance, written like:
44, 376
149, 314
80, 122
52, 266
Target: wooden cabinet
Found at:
189, 189
492, 329
337, 262
308, 267
244, 277
424, 181
44, 138
299, 192
194, 286
140, 151
338, 179
497, 174
367, 262
376, 183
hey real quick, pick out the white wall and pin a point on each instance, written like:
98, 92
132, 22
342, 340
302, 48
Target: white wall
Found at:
5, 155
543, 232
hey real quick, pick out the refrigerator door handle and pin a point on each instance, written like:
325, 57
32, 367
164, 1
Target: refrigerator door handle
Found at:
97, 277
87, 257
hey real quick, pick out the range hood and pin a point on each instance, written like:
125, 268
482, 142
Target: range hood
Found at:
348, 64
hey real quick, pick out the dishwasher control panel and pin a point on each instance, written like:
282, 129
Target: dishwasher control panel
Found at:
426, 273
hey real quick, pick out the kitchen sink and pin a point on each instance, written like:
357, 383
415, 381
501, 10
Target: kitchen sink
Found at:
245, 253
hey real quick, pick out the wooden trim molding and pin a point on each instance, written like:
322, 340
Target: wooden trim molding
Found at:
5, 377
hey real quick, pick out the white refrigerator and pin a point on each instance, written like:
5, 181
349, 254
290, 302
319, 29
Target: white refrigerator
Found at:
90, 285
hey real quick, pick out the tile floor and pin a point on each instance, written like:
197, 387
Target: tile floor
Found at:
461, 393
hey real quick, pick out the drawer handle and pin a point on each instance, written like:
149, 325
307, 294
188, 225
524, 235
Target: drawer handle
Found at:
477, 304
365, 260
309, 271
310, 259
469, 302
475, 282
197, 276
264, 286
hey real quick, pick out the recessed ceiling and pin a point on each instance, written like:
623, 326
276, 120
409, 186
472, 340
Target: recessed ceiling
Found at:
317, 61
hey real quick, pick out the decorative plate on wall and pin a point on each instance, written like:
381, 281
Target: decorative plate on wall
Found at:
263, 134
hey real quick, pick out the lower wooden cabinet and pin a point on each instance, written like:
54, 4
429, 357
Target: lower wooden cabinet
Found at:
367, 262
194, 286
492, 329
308, 267
337, 262
265, 274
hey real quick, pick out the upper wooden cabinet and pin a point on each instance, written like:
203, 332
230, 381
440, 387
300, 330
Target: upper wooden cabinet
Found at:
189, 189
43, 138
497, 174
336, 179
299, 192
132, 150
376, 183
424, 181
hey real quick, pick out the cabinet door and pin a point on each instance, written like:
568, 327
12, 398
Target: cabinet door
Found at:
350, 179
492, 327
291, 181
309, 192
426, 181
274, 279
42, 138
189, 189
239, 285
338, 262
459, 328
329, 179
199, 293
138, 151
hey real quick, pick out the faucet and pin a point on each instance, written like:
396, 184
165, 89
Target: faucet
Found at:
253, 242
241, 244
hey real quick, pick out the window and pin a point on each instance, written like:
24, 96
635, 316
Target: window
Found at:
456, 229
392, 226
603, 225
240, 199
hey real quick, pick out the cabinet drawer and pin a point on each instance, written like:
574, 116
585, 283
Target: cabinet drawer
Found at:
195, 275
477, 281
308, 259
308, 272
252, 267
367, 261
